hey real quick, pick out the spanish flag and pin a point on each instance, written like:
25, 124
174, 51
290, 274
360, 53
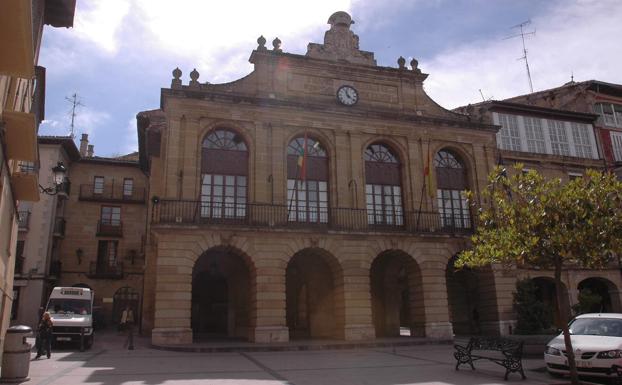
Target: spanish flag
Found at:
302, 160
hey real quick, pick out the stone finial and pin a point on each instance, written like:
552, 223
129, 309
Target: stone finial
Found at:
340, 18
276, 44
176, 82
401, 62
414, 65
194, 77
261, 43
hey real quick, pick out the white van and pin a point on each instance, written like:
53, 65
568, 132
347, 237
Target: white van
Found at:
71, 310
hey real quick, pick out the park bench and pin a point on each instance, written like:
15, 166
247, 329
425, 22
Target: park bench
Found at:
502, 351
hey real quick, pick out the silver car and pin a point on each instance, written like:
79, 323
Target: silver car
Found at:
597, 343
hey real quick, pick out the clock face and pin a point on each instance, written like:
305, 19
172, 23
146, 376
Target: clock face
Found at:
347, 95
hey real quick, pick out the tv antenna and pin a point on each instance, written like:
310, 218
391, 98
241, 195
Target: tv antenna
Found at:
483, 98
74, 104
522, 35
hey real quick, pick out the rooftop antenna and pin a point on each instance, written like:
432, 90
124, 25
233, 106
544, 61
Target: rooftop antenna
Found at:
483, 98
74, 104
522, 34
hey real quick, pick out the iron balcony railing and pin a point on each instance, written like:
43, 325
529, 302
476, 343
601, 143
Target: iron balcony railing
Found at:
23, 220
110, 193
109, 228
59, 227
105, 271
183, 212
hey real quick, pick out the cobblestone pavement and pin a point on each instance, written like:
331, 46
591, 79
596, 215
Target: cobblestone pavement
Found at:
109, 363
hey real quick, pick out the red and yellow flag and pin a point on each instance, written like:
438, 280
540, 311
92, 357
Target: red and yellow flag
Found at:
302, 159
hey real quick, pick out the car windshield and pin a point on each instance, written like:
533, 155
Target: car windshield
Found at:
69, 306
608, 327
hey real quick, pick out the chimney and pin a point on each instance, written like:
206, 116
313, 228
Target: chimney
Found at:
84, 142
89, 152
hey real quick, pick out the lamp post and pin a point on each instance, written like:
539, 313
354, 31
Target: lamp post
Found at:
59, 172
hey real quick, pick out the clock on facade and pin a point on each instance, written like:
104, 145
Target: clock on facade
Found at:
347, 95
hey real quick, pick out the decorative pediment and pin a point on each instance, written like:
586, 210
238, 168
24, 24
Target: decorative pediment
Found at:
340, 44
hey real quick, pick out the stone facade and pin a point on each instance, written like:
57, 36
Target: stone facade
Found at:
342, 278
105, 225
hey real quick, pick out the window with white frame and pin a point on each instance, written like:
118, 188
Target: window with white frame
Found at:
581, 138
510, 134
611, 114
535, 135
616, 143
559, 139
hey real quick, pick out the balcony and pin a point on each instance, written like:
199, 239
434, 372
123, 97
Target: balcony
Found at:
111, 193
21, 135
59, 227
177, 212
23, 220
25, 181
105, 271
109, 229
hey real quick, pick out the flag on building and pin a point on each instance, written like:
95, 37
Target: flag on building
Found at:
302, 159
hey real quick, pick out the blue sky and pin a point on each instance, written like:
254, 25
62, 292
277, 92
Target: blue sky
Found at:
121, 52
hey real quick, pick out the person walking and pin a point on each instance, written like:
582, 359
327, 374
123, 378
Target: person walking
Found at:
44, 335
127, 320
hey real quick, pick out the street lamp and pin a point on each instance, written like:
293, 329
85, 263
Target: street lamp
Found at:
59, 172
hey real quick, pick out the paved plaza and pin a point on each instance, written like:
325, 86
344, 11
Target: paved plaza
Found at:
108, 363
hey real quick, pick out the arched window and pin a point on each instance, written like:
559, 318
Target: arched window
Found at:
307, 181
451, 183
383, 190
224, 175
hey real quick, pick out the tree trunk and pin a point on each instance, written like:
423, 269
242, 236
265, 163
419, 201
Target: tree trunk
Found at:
562, 312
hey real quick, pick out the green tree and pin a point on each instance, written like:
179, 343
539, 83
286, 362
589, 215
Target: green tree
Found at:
587, 302
527, 220
532, 315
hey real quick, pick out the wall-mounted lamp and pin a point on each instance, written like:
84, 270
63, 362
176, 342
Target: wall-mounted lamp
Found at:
79, 254
59, 172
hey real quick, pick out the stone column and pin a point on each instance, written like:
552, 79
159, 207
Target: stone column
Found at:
173, 295
269, 296
436, 323
357, 298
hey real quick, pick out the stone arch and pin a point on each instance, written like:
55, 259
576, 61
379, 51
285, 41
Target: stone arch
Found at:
314, 295
463, 293
125, 296
207, 128
396, 295
606, 290
223, 282
464, 155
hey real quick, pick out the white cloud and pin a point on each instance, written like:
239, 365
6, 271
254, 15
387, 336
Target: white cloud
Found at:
99, 21
87, 121
579, 37
131, 138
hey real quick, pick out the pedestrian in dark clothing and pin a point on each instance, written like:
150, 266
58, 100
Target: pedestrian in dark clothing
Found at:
44, 336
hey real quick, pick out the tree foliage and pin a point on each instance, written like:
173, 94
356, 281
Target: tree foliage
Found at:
533, 221
530, 221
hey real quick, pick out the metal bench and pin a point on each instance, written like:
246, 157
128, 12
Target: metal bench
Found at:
502, 351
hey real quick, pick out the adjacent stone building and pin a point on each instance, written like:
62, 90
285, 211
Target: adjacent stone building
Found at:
103, 243
558, 144
41, 231
22, 105
320, 196
591, 96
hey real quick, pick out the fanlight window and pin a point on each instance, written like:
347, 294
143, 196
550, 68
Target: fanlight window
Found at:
224, 173
307, 181
451, 186
383, 190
